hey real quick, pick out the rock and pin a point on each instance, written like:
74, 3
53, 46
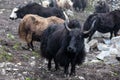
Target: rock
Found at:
113, 51
32, 63
93, 43
103, 47
99, 34
115, 40
102, 55
19, 63
87, 47
95, 61
117, 46
106, 35
107, 41
110, 60
118, 55
2, 64
81, 78
3, 72
1, 11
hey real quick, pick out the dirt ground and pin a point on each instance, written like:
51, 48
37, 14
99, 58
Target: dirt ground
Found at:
19, 64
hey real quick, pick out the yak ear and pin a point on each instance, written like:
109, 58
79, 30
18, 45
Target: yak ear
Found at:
66, 26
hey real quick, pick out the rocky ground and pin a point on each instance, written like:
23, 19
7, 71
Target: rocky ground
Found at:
19, 64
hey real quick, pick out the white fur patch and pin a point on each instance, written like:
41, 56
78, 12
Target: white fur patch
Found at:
13, 14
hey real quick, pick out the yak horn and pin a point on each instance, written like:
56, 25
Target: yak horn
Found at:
85, 32
66, 17
66, 26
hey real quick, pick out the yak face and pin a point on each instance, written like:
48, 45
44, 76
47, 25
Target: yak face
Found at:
14, 13
76, 40
18, 13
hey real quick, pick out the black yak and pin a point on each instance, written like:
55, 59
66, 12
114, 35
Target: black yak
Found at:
64, 45
79, 5
35, 8
103, 22
102, 7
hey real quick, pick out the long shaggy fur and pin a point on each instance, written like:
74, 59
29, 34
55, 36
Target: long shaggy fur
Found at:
105, 22
32, 26
55, 41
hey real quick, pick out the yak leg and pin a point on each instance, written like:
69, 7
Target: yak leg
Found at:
49, 63
29, 41
92, 32
66, 69
56, 64
111, 33
72, 68
115, 32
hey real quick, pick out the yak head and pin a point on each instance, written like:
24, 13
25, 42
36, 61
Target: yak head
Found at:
17, 12
75, 39
101, 3
13, 15
21, 10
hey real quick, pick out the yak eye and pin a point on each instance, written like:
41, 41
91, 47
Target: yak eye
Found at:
16, 11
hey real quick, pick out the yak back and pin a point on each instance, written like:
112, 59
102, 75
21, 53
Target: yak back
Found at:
116, 14
35, 8
47, 33
106, 19
34, 24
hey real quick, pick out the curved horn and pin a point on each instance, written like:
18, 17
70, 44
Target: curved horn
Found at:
85, 32
66, 26
66, 17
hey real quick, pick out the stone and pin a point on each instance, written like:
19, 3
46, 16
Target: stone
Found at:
115, 40
93, 43
99, 34
87, 47
103, 47
102, 55
107, 41
113, 51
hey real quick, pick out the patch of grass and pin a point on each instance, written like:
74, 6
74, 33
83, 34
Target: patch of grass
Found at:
5, 56
10, 36
28, 78
37, 55
16, 46
25, 56
89, 8
114, 73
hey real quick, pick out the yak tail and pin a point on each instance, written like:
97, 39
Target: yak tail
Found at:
21, 32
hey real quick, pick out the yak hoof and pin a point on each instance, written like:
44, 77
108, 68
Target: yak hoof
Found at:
72, 74
26, 48
67, 75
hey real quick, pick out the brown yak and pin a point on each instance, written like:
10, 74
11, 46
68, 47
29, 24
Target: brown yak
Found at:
32, 26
